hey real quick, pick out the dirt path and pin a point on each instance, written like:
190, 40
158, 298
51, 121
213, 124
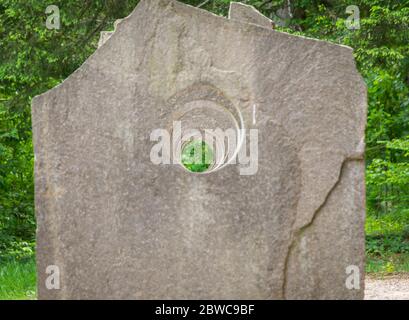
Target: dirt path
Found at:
387, 288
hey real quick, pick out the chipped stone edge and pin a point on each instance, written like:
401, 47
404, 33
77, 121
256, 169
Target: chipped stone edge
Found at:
249, 7
258, 28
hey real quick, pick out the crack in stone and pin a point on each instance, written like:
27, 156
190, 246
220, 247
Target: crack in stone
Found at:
299, 232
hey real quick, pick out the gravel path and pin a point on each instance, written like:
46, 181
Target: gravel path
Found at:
387, 288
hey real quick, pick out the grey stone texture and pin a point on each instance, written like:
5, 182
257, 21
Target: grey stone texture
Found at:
120, 227
105, 35
249, 14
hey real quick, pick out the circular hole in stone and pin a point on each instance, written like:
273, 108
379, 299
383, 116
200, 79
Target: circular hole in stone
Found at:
197, 156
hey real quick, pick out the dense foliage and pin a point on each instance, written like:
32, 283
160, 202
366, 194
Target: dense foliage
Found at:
34, 59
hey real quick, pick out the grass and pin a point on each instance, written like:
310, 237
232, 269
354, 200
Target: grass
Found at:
387, 242
17, 279
387, 264
387, 252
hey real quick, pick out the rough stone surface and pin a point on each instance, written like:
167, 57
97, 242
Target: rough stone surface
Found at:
105, 35
118, 226
246, 13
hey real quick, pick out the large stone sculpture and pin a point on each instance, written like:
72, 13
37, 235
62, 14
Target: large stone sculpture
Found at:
114, 224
